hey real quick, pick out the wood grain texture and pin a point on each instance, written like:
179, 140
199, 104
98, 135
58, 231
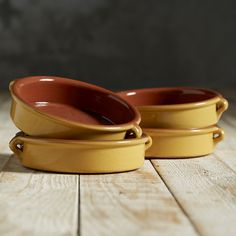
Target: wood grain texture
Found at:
33, 202
3, 160
36, 203
133, 203
4, 109
226, 151
206, 189
5, 104
198, 195
7, 128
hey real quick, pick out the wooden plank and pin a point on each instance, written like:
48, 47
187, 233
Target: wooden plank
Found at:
228, 158
226, 151
36, 203
5, 104
206, 189
3, 160
3, 147
33, 202
130, 203
7, 129
133, 203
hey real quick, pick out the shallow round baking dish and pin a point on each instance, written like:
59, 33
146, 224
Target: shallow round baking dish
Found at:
169, 143
55, 107
80, 156
177, 108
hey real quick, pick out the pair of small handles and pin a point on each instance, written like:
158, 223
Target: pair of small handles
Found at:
136, 132
17, 144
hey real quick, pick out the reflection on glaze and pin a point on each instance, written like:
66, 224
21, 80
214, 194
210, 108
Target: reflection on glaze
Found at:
40, 104
46, 79
131, 93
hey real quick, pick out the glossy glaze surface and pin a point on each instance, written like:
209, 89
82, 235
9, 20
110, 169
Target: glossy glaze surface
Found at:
182, 108
80, 156
168, 96
57, 107
178, 143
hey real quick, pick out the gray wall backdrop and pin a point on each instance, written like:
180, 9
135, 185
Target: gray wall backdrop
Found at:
120, 44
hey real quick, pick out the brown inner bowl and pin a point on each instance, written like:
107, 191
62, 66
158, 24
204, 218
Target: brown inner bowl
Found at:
74, 101
167, 96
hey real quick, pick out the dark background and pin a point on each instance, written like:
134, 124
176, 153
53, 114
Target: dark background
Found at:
120, 44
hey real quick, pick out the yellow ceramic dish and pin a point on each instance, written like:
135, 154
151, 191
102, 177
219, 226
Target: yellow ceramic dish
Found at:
80, 156
177, 108
183, 143
54, 107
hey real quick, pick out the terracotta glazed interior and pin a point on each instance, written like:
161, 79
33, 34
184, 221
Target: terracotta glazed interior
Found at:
170, 96
74, 101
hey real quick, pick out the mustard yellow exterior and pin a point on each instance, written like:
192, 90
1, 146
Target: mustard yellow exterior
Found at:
80, 156
183, 143
184, 116
35, 123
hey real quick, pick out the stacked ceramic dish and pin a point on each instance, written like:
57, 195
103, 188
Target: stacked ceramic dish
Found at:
71, 126
181, 121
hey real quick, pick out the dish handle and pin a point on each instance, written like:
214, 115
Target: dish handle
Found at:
135, 131
148, 143
218, 135
17, 146
221, 106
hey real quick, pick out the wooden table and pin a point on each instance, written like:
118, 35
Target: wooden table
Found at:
195, 196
